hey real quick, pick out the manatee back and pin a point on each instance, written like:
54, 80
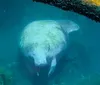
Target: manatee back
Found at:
46, 34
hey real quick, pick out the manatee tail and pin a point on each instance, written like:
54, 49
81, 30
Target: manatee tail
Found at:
68, 25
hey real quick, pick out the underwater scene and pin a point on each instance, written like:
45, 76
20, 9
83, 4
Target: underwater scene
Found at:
44, 45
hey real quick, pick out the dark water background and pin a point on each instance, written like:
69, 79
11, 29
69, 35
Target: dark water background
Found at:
85, 44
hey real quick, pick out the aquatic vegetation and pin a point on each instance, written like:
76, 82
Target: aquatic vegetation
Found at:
5, 77
94, 2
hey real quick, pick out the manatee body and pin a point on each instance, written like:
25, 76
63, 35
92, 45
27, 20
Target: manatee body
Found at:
43, 40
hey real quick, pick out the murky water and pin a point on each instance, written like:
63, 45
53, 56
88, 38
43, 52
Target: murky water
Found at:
84, 49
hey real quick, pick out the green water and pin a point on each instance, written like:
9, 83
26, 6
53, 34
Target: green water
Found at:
84, 49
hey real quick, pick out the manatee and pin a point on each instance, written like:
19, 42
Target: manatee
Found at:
43, 40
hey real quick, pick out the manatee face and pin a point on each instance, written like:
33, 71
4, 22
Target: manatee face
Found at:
39, 57
41, 60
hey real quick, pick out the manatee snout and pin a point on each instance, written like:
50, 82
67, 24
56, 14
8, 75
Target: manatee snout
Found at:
42, 68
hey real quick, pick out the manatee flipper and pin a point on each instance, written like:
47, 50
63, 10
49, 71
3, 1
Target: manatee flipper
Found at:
68, 26
52, 67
